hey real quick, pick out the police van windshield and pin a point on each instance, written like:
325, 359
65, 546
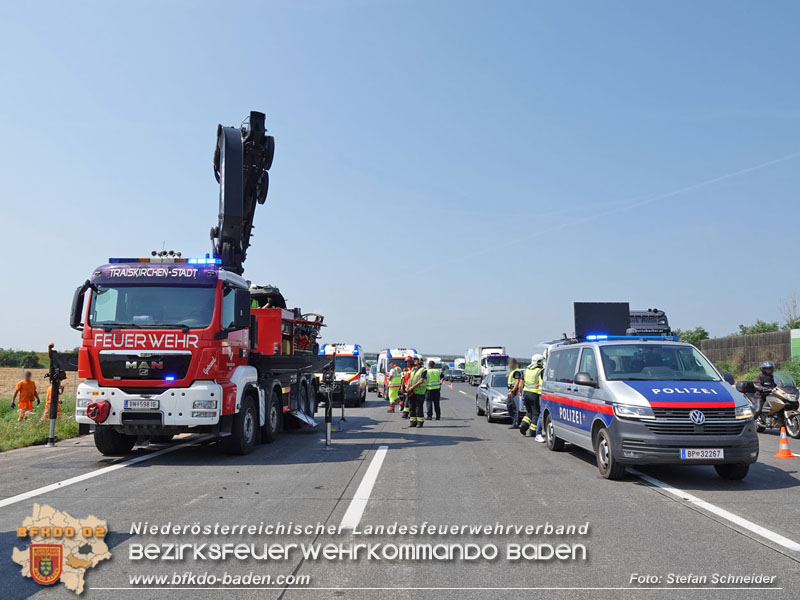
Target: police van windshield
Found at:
346, 364
152, 306
656, 362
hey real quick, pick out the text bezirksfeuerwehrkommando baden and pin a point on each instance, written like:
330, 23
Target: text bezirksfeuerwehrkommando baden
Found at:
291, 529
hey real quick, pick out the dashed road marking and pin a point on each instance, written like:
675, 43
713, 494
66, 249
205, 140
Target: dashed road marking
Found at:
354, 512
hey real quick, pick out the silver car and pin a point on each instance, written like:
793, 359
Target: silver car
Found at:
490, 399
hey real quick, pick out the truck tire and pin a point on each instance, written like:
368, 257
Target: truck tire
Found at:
554, 443
732, 471
110, 442
606, 463
244, 433
272, 420
305, 401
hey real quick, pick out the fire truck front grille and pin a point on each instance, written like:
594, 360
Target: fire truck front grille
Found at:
145, 367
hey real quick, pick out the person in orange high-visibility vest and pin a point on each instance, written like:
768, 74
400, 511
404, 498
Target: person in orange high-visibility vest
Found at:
26, 390
46, 413
406, 376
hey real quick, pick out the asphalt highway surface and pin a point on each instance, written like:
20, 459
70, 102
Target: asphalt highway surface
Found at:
643, 532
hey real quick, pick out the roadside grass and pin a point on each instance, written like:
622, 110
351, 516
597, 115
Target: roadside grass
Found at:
33, 431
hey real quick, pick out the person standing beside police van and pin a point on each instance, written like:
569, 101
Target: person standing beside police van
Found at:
531, 394
433, 390
515, 384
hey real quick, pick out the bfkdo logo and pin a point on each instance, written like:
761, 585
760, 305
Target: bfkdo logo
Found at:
46, 562
63, 548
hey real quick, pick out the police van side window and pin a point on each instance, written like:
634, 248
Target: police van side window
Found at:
563, 369
588, 363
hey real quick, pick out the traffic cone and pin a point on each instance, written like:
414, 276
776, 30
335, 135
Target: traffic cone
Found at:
451, 385
783, 446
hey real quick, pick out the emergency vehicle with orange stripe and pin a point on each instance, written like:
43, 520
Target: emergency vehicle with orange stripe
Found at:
349, 367
640, 400
387, 360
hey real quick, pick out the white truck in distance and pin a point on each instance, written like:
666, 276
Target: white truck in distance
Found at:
478, 362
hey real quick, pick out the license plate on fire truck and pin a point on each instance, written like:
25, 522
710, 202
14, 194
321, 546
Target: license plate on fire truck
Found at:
702, 453
141, 404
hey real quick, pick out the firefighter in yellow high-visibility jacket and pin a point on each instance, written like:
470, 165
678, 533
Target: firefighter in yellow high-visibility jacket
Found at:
395, 381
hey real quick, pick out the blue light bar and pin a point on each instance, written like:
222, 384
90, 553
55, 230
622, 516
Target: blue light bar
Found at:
602, 336
205, 261
169, 378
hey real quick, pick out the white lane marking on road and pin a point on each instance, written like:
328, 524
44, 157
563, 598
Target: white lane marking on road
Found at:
97, 473
359, 502
463, 392
193, 500
721, 512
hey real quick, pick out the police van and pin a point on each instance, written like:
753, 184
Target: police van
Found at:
642, 400
351, 368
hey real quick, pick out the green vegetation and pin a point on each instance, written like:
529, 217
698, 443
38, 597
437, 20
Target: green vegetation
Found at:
692, 336
20, 358
33, 431
758, 327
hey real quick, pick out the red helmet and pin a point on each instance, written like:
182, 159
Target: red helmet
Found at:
409, 359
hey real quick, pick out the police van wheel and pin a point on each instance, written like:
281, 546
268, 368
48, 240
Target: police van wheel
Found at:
732, 471
110, 442
478, 409
244, 433
606, 463
554, 443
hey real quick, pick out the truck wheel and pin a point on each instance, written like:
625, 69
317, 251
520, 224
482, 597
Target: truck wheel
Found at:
608, 465
732, 471
161, 439
305, 401
554, 443
244, 433
272, 420
110, 442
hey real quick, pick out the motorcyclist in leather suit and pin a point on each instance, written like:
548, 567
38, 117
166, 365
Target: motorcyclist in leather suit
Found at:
764, 383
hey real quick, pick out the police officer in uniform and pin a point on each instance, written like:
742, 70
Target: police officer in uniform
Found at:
417, 386
514, 390
531, 393
433, 391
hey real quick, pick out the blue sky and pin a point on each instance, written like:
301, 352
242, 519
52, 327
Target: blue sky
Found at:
446, 174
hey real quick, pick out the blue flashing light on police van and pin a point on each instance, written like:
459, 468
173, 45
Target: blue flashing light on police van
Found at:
205, 261
169, 378
599, 337
596, 336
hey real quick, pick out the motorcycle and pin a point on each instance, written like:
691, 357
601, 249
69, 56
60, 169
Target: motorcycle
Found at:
786, 391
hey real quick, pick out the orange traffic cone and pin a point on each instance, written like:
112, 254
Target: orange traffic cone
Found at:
451, 385
783, 446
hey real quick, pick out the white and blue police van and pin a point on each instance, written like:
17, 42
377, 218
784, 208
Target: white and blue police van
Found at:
643, 400
350, 368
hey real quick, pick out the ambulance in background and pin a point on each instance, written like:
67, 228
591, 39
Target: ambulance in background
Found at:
387, 359
351, 368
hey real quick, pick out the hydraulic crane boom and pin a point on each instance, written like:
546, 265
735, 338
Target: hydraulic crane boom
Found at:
242, 159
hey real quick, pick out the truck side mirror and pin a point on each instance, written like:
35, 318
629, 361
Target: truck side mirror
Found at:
585, 379
76, 312
363, 370
241, 309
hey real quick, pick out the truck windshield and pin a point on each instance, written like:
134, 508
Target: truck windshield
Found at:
152, 306
497, 361
656, 362
346, 364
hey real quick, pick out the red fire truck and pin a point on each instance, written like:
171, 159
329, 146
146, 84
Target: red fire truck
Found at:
173, 344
